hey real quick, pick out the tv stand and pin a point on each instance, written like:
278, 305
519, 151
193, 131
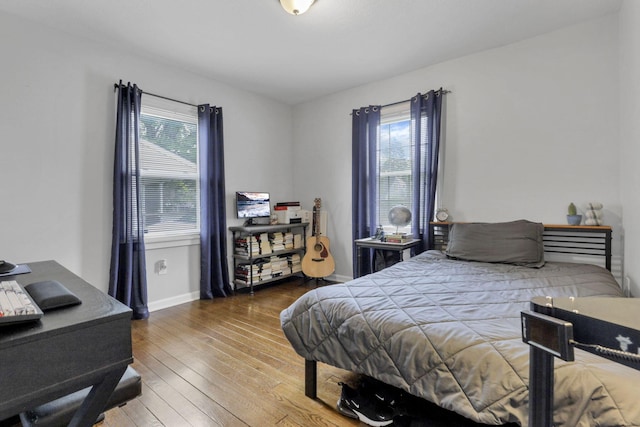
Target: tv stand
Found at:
258, 247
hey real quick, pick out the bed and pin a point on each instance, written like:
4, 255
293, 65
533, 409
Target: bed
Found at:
445, 326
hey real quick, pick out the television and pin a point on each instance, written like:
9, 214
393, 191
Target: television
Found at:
252, 204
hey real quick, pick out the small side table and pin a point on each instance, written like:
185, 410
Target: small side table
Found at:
372, 243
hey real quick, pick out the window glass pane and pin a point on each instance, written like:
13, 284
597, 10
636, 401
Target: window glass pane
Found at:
174, 136
169, 168
169, 204
395, 156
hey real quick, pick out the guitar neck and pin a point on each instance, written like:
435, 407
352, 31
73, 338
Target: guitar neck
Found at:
316, 220
316, 223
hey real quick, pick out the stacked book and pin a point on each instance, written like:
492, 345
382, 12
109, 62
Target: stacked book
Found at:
265, 244
279, 266
288, 240
265, 269
246, 273
258, 271
398, 238
283, 206
277, 241
247, 246
297, 241
295, 263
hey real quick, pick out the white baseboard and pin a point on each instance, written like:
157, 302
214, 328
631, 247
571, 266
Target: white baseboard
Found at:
170, 302
340, 278
192, 296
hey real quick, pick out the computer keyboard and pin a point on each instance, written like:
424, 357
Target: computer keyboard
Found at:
16, 304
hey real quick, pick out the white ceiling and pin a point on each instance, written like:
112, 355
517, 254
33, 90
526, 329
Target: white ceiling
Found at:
336, 45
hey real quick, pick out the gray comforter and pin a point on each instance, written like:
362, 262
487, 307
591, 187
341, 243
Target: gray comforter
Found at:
449, 331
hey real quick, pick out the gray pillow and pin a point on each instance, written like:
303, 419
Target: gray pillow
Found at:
516, 242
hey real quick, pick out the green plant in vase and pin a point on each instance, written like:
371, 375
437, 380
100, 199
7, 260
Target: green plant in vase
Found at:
573, 218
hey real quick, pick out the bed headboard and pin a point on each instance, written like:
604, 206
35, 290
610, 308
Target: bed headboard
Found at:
570, 240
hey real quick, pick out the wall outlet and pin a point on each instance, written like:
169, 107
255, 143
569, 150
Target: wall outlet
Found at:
161, 266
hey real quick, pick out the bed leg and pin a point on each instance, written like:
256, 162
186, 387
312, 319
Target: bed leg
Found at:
310, 378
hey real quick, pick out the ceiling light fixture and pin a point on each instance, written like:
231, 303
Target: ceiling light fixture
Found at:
296, 7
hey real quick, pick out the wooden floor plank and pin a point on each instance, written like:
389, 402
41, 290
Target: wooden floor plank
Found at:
192, 366
226, 362
216, 414
158, 379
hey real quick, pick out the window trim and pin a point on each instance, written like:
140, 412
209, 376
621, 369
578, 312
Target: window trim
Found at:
171, 240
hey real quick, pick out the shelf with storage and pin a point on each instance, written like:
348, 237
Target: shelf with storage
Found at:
266, 253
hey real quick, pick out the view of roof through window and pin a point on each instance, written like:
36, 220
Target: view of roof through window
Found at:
169, 171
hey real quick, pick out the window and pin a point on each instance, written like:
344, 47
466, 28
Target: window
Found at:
395, 158
169, 167
396, 151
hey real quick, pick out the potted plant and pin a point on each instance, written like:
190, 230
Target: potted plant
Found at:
573, 218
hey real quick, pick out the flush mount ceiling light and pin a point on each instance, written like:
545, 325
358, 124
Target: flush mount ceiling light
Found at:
296, 7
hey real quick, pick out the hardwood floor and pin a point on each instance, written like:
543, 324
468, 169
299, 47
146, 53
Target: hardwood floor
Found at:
226, 362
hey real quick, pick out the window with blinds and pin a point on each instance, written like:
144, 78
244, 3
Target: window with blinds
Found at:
169, 167
395, 157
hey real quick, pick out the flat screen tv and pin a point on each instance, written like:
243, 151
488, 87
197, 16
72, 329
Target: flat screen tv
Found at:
252, 204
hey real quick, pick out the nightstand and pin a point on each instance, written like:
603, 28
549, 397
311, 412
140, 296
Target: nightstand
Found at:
372, 243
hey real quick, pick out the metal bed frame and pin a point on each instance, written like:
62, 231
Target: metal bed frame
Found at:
581, 240
578, 240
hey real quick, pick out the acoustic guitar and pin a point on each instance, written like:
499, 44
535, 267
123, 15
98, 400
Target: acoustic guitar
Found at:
317, 261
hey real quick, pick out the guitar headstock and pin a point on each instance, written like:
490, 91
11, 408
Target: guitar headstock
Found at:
317, 202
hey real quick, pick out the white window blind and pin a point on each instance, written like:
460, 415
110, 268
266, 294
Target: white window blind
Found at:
395, 158
169, 167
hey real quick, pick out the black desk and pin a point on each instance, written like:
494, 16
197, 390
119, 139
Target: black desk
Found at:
67, 350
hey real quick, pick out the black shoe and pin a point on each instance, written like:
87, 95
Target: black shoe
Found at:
342, 402
367, 410
384, 393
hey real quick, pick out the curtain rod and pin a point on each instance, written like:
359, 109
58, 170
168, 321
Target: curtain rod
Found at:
441, 91
116, 85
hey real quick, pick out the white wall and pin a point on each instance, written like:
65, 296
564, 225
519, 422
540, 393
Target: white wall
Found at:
529, 127
630, 136
533, 111
56, 150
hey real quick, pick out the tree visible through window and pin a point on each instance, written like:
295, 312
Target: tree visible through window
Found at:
169, 167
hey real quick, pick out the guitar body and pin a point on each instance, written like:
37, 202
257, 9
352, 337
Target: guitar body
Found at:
317, 261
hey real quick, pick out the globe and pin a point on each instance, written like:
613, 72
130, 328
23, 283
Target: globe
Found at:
399, 216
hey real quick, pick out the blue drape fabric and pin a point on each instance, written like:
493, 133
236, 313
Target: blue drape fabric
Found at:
214, 272
127, 277
426, 114
365, 131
